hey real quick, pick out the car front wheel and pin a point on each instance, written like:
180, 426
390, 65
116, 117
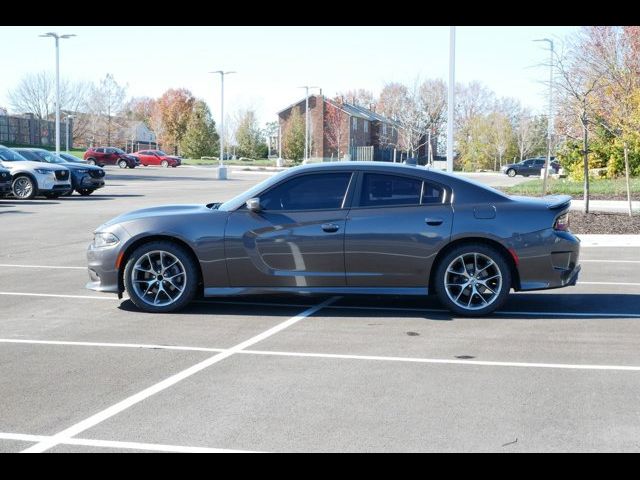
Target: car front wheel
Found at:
24, 188
161, 277
473, 280
123, 164
511, 172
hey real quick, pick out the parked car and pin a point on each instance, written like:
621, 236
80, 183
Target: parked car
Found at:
72, 158
85, 179
530, 166
158, 157
30, 179
342, 228
5, 182
102, 156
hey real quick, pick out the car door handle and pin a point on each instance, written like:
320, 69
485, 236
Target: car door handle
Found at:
330, 227
433, 221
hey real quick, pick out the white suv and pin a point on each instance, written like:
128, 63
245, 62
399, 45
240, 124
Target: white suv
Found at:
33, 178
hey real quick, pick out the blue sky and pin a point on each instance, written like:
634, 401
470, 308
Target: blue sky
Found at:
273, 61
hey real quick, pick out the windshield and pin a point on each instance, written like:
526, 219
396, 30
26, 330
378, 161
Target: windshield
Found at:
161, 153
239, 200
49, 157
119, 151
10, 156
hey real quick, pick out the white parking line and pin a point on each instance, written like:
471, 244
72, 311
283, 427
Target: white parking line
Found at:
621, 284
88, 442
51, 295
115, 345
570, 366
609, 261
168, 382
7, 265
487, 363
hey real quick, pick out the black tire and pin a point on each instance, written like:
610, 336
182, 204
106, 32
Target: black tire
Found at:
496, 301
24, 183
91, 161
511, 172
191, 272
132, 166
123, 163
85, 192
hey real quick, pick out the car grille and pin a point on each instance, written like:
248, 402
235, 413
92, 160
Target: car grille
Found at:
96, 173
62, 174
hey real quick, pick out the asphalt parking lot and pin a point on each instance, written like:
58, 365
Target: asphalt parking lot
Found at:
86, 372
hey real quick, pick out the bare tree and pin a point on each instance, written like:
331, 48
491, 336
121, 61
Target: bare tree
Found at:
433, 99
577, 86
335, 126
358, 96
106, 104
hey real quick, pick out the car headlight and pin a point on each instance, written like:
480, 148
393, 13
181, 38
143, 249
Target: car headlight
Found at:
44, 171
102, 239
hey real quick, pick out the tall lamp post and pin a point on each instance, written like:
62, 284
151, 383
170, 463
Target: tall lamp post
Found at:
222, 170
451, 99
550, 119
69, 117
306, 122
57, 37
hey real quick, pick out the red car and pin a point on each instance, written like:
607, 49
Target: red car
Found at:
157, 157
102, 156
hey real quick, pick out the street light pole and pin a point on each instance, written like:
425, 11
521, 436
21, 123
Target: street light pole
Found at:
550, 118
451, 100
57, 37
306, 123
222, 170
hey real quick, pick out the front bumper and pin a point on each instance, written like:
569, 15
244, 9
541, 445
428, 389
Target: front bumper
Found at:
87, 182
548, 259
103, 274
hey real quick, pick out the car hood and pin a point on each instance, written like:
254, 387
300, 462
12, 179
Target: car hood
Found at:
32, 165
550, 202
80, 166
162, 211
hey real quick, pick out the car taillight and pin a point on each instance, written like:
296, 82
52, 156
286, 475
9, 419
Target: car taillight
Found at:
562, 223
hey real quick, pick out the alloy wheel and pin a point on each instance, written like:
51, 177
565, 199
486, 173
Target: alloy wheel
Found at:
473, 281
23, 187
158, 278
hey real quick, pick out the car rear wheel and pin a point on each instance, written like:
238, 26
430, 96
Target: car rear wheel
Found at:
123, 164
165, 164
24, 188
91, 161
473, 280
161, 277
511, 172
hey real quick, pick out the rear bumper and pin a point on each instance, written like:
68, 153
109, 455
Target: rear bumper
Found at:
551, 262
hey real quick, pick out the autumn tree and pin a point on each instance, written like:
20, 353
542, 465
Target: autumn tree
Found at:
249, 137
200, 138
140, 109
171, 116
293, 137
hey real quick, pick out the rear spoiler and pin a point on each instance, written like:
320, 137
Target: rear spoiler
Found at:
557, 202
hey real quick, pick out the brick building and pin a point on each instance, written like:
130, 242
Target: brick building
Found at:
342, 130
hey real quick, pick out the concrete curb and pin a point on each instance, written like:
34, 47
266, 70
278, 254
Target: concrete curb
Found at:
593, 240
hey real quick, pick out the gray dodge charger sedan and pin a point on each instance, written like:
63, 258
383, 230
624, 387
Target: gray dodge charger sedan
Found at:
342, 228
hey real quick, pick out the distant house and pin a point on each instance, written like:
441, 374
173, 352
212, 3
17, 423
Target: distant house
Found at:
341, 130
138, 136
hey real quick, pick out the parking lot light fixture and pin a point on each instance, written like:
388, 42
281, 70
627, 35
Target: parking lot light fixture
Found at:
222, 170
57, 37
69, 117
306, 122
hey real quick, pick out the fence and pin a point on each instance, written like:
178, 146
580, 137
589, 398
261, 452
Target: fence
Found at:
362, 154
31, 131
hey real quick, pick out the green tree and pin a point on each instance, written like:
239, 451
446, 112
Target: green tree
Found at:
293, 137
171, 115
249, 137
200, 138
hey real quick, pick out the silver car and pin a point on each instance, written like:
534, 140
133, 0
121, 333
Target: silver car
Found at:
342, 228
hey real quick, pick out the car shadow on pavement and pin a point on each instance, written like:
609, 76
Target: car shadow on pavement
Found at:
74, 198
12, 202
163, 178
522, 306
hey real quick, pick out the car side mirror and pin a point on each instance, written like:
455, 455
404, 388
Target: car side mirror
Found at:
253, 205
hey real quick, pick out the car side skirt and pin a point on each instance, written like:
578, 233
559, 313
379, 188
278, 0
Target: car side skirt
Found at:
233, 291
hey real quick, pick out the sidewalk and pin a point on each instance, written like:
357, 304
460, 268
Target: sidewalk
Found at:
609, 240
612, 206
